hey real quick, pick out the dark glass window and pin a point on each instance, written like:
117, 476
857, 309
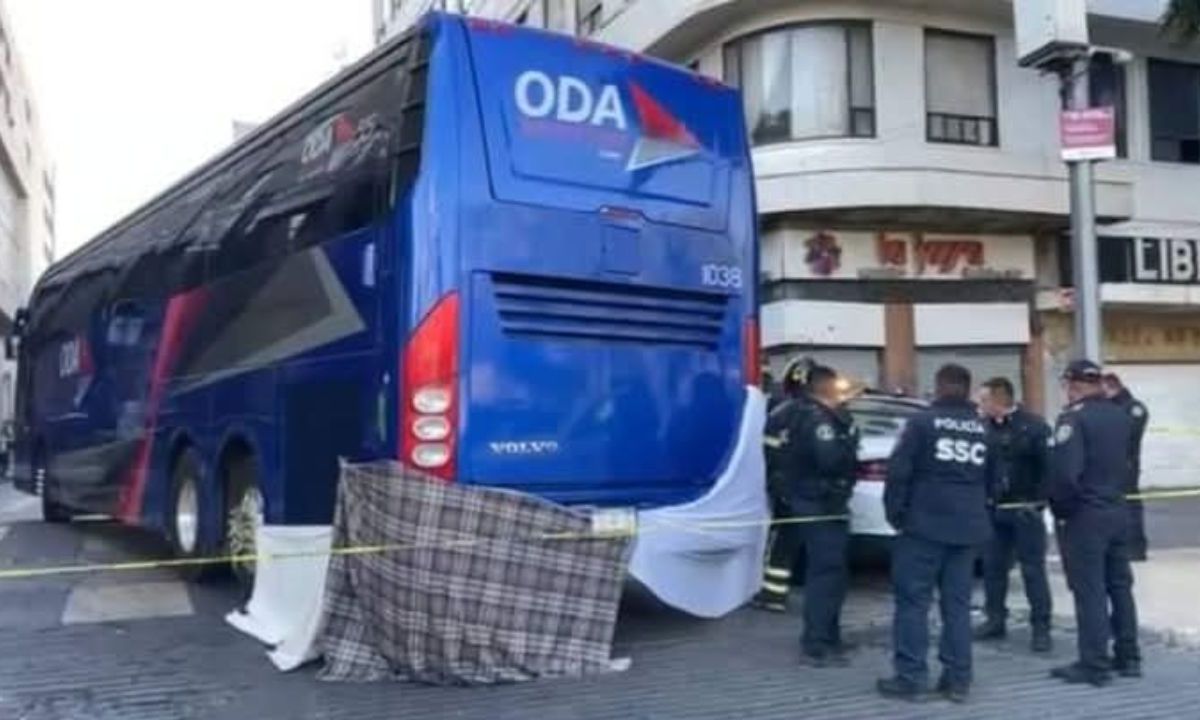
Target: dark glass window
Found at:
1174, 111
804, 82
1106, 86
960, 88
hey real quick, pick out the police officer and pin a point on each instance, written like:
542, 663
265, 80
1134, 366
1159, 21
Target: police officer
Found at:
940, 482
1020, 440
774, 399
1091, 439
821, 465
784, 536
1139, 416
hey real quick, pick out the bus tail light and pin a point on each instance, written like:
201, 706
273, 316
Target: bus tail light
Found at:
751, 353
430, 387
872, 471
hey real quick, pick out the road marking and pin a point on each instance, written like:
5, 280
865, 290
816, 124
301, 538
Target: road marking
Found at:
129, 601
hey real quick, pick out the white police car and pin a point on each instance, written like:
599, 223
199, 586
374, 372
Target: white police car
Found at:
880, 419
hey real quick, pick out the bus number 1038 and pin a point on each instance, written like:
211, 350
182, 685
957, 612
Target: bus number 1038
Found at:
722, 276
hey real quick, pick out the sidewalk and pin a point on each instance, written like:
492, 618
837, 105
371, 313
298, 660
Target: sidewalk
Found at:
145, 645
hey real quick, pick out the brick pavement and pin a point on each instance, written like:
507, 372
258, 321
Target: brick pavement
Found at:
193, 666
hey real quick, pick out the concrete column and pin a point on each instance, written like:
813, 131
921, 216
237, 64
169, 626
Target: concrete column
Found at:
899, 350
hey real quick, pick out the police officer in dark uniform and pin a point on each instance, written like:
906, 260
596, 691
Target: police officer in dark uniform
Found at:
784, 537
821, 466
1139, 416
940, 483
1091, 441
1021, 442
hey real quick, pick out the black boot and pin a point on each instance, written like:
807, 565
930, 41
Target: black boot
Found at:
770, 601
1128, 668
900, 689
1041, 642
954, 692
1076, 674
991, 630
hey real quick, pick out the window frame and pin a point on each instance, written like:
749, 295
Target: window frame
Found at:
1121, 108
735, 46
589, 21
993, 79
1151, 62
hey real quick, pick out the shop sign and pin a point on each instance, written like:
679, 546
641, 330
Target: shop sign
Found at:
1165, 260
1088, 134
1151, 338
835, 255
916, 256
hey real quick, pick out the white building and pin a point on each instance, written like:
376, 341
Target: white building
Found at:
912, 197
26, 198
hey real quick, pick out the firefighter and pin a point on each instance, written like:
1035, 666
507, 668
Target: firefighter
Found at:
784, 539
824, 456
940, 484
1020, 439
1087, 497
1139, 416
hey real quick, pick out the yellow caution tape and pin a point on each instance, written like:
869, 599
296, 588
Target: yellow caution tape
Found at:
699, 526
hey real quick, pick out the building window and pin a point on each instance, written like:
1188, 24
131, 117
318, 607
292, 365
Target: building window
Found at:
589, 14
552, 12
1174, 112
805, 82
8, 207
960, 88
1106, 88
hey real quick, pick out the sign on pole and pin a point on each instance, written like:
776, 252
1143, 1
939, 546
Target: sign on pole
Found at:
1088, 134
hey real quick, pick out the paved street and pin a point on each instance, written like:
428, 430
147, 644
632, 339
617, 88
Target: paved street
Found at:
144, 645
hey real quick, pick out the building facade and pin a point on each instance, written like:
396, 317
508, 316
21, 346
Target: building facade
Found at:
26, 199
913, 202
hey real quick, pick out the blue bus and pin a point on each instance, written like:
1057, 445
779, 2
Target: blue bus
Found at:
502, 256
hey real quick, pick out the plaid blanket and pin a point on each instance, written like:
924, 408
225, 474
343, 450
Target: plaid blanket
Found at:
453, 585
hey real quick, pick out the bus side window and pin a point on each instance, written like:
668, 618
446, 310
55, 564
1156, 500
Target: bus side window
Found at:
125, 325
261, 240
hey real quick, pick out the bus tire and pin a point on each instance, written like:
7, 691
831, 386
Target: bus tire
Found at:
52, 510
244, 514
186, 514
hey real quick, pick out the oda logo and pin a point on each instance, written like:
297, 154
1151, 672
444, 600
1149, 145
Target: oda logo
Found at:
571, 101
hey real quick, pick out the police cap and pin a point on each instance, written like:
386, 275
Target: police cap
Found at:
1083, 371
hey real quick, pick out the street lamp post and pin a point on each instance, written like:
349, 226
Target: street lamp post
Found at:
1084, 250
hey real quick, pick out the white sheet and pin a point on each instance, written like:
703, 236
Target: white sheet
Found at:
712, 571
284, 611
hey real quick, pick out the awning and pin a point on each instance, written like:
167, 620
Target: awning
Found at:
1150, 229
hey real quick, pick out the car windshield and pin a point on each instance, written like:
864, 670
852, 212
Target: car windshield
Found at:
878, 417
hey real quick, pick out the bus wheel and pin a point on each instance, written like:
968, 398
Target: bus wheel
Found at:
52, 510
185, 514
245, 514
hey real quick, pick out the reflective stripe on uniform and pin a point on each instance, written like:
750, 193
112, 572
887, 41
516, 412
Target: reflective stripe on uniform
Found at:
778, 573
772, 442
777, 588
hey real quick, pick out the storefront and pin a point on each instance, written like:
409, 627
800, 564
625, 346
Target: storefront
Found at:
889, 308
1150, 291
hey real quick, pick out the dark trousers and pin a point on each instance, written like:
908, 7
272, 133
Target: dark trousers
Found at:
784, 547
1137, 520
1019, 535
1095, 553
825, 581
919, 566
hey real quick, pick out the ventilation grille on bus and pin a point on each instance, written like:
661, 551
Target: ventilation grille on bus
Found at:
545, 307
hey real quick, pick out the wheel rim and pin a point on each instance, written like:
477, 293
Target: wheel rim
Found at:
187, 516
245, 518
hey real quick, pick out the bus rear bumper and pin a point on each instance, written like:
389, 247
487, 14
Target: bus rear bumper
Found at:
705, 557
